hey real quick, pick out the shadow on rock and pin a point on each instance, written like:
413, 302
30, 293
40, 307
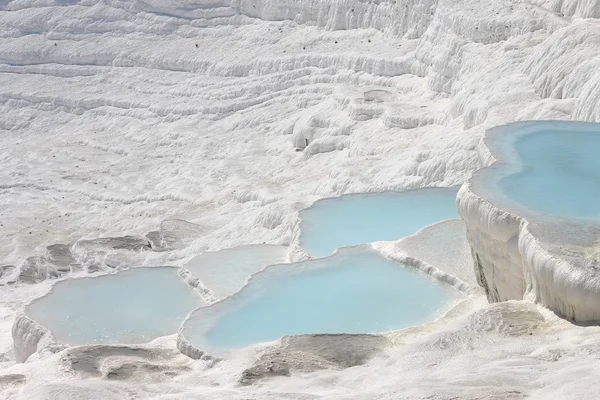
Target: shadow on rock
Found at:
124, 362
306, 353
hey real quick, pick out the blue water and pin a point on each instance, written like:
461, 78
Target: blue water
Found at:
134, 306
562, 173
363, 218
355, 291
226, 271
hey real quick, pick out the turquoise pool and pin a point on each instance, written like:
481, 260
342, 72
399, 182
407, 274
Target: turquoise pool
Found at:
363, 218
355, 291
133, 306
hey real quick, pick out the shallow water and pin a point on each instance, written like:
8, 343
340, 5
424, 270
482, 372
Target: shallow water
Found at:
443, 246
225, 272
363, 218
562, 171
133, 306
355, 291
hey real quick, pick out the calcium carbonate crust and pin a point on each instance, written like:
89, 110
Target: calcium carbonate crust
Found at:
481, 53
511, 263
433, 272
30, 337
196, 353
205, 293
186, 348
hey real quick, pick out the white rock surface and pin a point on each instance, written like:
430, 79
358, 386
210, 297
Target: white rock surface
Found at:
226, 271
512, 261
30, 337
441, 250
113, 121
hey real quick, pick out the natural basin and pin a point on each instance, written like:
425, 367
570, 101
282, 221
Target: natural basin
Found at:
532, 216
354, 291
133, 306
368, 217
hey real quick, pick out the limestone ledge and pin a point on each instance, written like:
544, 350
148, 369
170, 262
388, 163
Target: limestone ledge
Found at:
512, 264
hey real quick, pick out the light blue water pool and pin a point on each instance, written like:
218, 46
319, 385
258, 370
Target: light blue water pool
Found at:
549, 173
133, 306
355, 291
363, 218
561, 172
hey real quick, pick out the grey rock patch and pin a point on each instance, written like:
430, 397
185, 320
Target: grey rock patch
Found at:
12, 380
86, 360
36, 269
110, 252
60, 256
262, 370
56, 262
118, 362
93, 268
8, 275
155, 241
178, 233
307, 353
131, 243
129, 370
6, 270
344, 350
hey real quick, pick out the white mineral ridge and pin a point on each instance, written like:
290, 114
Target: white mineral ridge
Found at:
225, 272
113, 121
440, 250
512, 263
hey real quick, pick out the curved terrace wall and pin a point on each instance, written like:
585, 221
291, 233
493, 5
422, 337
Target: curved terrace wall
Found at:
520, 253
